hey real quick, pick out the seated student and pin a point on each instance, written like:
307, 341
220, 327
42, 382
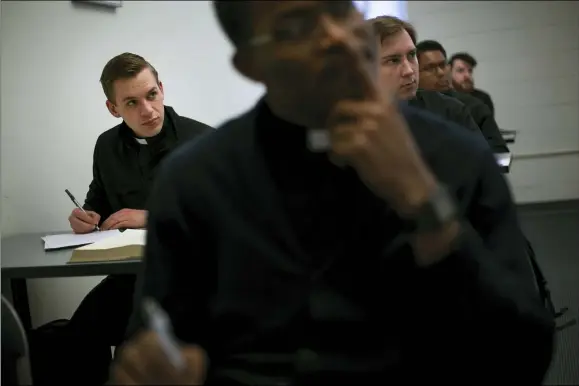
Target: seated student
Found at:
383, 249
126, 161
462, 66
399, 65
435, 75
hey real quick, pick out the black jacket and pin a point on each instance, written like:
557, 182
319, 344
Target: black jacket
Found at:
123, 173
446, 107
484, 118
485, 98
278, 262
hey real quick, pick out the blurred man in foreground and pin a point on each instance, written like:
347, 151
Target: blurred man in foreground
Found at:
327, 237
399, 65
462, 66
435, 75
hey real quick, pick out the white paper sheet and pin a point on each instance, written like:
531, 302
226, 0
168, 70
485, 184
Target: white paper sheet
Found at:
69, 240
128, 237
504, 159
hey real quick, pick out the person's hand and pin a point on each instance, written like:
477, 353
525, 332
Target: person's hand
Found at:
126, 218
82, 222
369, 134
142, 361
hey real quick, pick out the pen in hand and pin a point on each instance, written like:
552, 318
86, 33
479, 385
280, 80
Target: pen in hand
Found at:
75, 202
158, 322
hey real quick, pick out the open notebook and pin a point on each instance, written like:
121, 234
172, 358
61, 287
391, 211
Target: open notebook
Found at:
125, 246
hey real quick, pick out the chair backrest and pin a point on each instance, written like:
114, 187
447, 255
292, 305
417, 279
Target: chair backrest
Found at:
15, 342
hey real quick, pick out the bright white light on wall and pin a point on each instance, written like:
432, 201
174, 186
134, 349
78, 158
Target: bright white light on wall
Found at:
379, 8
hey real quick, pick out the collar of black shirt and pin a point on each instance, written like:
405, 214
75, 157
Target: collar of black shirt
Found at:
166, 136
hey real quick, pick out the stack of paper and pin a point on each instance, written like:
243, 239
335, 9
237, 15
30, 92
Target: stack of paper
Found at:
70, 240
124, 246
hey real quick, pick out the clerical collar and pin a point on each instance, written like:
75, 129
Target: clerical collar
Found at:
156, 138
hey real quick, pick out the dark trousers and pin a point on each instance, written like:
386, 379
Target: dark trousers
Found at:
103, 315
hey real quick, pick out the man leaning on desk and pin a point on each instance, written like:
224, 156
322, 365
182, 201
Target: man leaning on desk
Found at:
126, 159
384, 249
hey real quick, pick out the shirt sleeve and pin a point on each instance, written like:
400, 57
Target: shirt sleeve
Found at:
484, 293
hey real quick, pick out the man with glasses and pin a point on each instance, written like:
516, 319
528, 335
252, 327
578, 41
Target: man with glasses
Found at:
434, 73
328, 236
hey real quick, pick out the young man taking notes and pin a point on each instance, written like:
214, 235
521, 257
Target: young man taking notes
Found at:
329, 236
126, 161
126, 157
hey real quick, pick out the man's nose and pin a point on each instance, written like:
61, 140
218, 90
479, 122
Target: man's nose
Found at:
441, 71
345, 40
146, 109
406, 69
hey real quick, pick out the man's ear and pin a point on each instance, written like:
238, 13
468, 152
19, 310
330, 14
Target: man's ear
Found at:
245, 66
112, 109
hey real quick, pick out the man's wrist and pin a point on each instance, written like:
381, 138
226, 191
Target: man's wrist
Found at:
415, 193
432, 247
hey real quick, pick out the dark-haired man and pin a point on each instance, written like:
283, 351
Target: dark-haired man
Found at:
462, 65
435, 75
126, 161
329, 237
399, 65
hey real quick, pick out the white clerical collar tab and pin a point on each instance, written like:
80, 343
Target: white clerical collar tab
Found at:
318, 140
141, 141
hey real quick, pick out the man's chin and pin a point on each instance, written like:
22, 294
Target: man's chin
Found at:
148, 132
407, 94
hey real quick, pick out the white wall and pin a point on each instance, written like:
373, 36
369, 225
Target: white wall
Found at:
528, 54
53, 108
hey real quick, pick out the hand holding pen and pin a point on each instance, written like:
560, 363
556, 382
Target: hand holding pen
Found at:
82, 221
156, 357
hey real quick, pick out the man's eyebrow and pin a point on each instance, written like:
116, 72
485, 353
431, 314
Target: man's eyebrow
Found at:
134, 97
391, 56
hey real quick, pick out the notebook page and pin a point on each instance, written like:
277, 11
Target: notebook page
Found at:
128, 237
68, 240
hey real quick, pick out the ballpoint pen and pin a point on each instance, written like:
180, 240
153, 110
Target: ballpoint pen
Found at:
75, 202
158, 321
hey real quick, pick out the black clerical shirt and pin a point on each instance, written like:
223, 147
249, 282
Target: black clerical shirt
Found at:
286, 268
124, 168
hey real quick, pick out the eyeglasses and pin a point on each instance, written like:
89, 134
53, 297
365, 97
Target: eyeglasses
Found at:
300, 25
433, 68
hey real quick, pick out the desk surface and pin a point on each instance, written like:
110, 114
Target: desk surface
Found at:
23, 256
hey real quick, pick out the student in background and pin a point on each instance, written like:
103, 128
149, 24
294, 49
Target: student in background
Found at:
462, 66
330, 237
126, 161
399, 65
434, 73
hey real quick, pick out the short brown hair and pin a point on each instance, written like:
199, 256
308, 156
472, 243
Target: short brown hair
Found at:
123, 66
387, 26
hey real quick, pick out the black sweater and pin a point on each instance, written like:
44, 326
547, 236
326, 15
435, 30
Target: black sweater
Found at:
281, 264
